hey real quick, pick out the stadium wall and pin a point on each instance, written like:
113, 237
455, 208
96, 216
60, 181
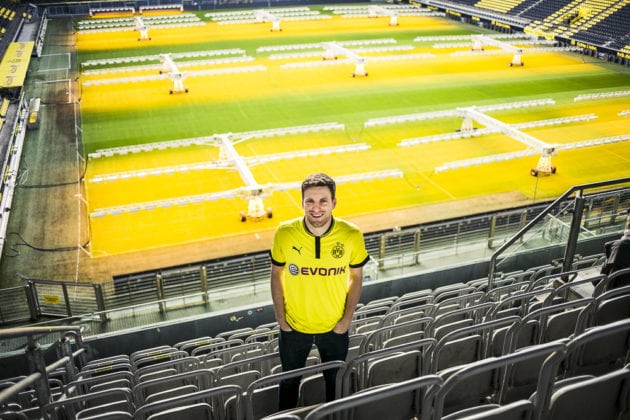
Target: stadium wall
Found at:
67, 9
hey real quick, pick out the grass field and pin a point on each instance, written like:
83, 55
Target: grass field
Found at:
124, 114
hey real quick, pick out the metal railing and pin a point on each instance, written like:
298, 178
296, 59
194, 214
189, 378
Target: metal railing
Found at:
394, 252
565, 220
39, 378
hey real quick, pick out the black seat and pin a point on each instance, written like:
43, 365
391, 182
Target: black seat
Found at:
400, 401
603, 397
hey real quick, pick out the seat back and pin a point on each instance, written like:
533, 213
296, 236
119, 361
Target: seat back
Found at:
202, 379
215, 397
355, 376
99, 410
312, 390
176, 364
198, 411
158, 358
599, 349
242, 379
170, 393
612, 306
518, 410
394, 368
261, 397
400, 401
604, 397
376, 339
457, 352
68, 407
467, 344
483, 382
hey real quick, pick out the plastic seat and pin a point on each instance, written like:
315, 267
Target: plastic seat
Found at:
265, 364
68, 407
379, 336
599, 350
84, 384
202, 351
400, 401
170, 393
216, 394
156, 374
202, 379
356, 376
518, 410
394, 368
483, 382
110, 415
457, 319
261, 397
603, 397
100, 410
106, 361
199, 411
312, 390
148, 352
190, 345
610, 306
467, 344
176, 365
407, 314
161, 357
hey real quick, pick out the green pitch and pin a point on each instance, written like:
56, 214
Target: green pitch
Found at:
131, 113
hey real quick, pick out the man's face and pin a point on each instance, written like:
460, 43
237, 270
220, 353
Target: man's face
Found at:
318, 206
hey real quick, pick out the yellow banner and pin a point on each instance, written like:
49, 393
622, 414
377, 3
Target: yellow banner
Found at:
15, 63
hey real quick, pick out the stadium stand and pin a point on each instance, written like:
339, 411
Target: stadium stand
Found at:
538, 11
609, 31
534, 363
595, 26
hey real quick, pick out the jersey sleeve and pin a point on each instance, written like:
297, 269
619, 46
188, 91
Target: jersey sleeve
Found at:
360, 255
277, 252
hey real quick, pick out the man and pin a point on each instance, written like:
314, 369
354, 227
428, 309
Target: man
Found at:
316, 279
618, 256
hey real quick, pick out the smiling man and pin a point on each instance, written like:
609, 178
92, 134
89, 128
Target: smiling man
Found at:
316, 279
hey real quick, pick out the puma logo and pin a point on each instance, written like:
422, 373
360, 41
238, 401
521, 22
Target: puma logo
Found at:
299, 250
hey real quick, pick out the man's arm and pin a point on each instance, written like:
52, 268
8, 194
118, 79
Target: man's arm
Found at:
352, 299
277, 296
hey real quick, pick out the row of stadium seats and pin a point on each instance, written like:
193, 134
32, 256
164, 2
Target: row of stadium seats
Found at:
11, 16
430, 339
611, 32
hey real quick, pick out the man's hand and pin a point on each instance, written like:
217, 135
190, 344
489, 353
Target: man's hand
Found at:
284, 326
342, 327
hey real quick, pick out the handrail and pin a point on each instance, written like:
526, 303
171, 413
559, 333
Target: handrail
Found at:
20, 386
28, 331
543, 214
39, 377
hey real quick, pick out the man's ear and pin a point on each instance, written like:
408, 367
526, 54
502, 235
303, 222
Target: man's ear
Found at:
334, 203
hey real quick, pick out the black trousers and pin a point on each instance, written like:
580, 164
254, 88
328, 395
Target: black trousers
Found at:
294, 349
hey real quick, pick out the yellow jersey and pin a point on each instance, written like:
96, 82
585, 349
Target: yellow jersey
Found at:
316, 271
